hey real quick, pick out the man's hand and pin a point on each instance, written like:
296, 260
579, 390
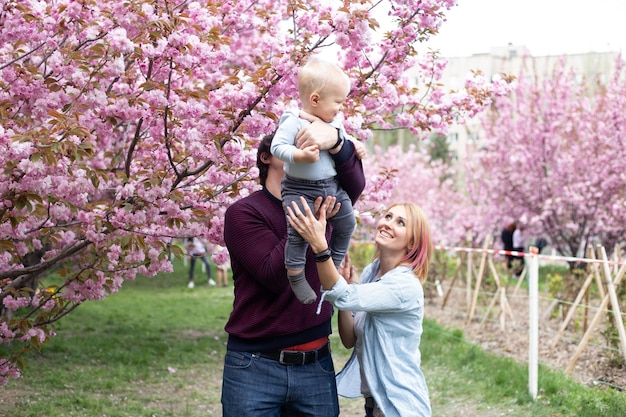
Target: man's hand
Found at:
318, 133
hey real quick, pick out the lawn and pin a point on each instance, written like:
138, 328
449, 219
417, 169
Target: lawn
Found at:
155, 349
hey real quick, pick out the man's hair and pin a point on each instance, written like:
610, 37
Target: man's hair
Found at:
264, 147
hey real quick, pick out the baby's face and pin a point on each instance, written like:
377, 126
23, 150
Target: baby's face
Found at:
331, 100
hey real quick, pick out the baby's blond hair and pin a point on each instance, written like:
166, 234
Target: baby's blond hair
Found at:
316, 74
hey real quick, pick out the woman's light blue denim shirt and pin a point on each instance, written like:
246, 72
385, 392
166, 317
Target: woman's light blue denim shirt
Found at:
392, 329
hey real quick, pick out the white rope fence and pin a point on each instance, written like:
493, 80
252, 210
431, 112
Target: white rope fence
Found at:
612, 279
527, 254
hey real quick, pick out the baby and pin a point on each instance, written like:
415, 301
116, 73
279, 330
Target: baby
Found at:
310, 172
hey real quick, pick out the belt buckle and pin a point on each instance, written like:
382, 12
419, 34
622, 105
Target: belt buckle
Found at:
281, 357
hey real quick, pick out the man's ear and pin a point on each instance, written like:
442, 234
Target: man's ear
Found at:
265, 157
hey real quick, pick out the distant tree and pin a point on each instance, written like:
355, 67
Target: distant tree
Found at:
126, 125
554, 156
411, 175
439, 149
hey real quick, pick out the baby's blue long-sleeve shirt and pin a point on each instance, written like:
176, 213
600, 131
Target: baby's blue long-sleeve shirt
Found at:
283, 147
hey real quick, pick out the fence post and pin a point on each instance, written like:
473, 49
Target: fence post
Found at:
533, 321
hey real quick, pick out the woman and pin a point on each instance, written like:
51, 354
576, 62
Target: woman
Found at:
382, 316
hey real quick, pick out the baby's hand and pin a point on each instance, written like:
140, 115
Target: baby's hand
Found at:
307, 155
361, 150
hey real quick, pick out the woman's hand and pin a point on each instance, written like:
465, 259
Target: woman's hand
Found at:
312, 229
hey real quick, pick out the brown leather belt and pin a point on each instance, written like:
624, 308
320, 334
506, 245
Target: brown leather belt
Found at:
297, 357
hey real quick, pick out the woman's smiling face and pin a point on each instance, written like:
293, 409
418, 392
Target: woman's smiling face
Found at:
391, 231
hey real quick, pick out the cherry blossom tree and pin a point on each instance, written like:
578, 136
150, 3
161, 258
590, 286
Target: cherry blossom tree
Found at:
127, 125
412, 175
554, 157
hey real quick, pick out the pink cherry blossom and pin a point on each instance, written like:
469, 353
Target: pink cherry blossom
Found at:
137, 124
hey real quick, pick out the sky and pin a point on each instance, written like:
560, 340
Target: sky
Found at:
545, 27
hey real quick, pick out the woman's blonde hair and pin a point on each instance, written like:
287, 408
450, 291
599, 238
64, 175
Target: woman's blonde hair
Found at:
419, 238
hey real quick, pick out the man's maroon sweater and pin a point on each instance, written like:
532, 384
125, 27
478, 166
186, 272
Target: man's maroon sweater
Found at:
266, 315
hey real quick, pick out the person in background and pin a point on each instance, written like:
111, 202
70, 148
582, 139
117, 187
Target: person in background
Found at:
541, 242
507, 242
309, 171
222, 270
381, 317
197, 250
519, 245
278, 360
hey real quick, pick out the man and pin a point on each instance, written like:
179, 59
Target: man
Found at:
278, 361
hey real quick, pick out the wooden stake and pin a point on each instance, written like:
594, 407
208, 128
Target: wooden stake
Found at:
594, 322
451, 287
572, 309
617, 254
521, 278
551, 307
468, 282
502, 309
501, 291
598, 279
490, 306
617, 315
481, 271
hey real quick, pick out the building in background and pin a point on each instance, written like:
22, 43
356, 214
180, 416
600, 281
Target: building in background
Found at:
511, 59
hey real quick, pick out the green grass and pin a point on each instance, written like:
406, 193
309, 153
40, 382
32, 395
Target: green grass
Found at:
455, 365
156, 349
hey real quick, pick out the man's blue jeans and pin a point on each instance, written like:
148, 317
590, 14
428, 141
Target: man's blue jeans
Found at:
253, 386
